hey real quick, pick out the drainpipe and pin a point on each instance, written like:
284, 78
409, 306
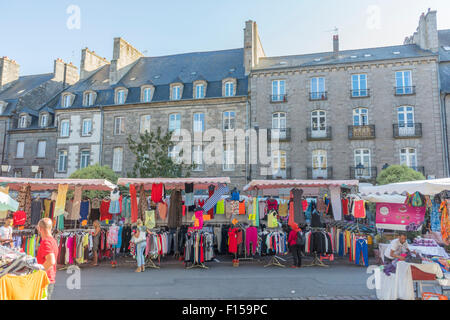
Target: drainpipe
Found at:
101, 136
444, 134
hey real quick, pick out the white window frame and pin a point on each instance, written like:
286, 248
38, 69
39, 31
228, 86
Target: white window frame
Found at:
62, 165
278, 90
20, 149
175, 123
119, 125
318, 127
403, 84
279, 161
200, 91
228, 157
88, 99
120, 96
64, 128
85, 158
199, 122
361, 85
145, 123
229, 120
85, 133
117, 159
147, 95
39, 174
174, 154
229, 89
67, 100
42, 149
23, 121
316, 90
44, 120
362, 117
361, 154
408, 157
176, 92
197, 158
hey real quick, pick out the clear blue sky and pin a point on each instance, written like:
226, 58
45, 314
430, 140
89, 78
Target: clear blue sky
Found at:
34, 33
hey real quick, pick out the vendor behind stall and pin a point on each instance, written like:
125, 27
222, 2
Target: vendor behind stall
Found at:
6, 233
398, 249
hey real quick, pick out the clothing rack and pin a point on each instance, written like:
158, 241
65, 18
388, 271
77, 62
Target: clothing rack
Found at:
316, 260
275, 260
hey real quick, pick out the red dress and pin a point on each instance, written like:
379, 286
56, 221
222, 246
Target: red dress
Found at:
157, 192
134, 205
104, 211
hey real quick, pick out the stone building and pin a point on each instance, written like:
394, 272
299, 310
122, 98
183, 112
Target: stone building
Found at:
346, 114
26, 123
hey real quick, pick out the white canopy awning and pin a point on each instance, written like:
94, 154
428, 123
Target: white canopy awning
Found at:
384, 198
175, 183
280, 184
52, 184
426, 187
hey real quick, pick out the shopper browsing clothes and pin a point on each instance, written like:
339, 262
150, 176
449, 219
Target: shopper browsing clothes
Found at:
296, 242
96, 242
6, 233
139, 238
398, 249
47, 252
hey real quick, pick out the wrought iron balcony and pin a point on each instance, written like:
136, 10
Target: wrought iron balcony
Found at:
319, 173
368, 173
360, 93
314, 96
280, 134
317, 135
278, 98
280, 174
408, 130
405, 90
361, 132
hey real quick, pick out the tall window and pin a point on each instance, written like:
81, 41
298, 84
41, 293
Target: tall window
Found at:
360, 117
228, 157
41, 149
362, 156
278, 90
229, 120
88, 99
44, 120
175, 123
318, 123
62, 161
120, 96
200, 91
199, 122
39, 174
174, 154
147, 94
84, 158
176, 93
278, 161
229, 89
317, 88
87, 127
64, 129
405, 117
403, 82
66, 101
408, 157
23, 121
119, 125
18, 173
145, 123
197, 157
20, 149
117, 159
279, 125
319, 159
359, 85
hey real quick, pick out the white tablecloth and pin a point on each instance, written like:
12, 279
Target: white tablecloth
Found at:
400, 285
433, 251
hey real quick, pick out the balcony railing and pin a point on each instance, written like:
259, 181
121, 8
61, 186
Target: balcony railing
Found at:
280, 174
361, 132
280, 134
313, 96
360, 93
408, 130
278, 98
319, 173
407, 90
317, 135
368, 173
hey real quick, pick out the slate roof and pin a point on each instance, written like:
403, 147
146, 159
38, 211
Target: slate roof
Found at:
444, 40
212, 66
444, 73
345, 56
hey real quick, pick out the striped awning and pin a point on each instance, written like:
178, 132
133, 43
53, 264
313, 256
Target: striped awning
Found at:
52, 184
175, 183
284, 184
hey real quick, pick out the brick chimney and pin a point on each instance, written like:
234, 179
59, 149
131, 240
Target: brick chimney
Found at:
9, 72
426, 35
336, 44
66, 73
124, 57
90, 63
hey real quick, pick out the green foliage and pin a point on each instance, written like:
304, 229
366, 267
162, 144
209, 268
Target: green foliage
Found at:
95, 172
398, 173
152, 156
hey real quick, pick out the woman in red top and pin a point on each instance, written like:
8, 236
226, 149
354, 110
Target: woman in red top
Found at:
295, 248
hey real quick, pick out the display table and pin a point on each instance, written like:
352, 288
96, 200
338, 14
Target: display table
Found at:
400, 285
432, 251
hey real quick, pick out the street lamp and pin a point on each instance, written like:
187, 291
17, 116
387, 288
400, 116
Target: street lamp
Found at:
5, 167
34, 167
359, 169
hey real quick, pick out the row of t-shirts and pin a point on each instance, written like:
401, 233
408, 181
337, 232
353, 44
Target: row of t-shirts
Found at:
354, 207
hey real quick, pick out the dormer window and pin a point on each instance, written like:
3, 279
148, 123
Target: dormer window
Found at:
229, 87
67, 101
147, 93
200, 91
2, 107
23, 121
89, 98
176, 92
43, 122
120, 96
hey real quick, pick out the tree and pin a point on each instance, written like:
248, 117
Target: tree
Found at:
152, 156
95, 172
398, 173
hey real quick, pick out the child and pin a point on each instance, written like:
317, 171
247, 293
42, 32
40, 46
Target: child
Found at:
96, 242
139, 238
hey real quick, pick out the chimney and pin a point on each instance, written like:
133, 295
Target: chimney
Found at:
336, 44
66, 73
253, 49
9, 72
124, 57
90, 63
426, 36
